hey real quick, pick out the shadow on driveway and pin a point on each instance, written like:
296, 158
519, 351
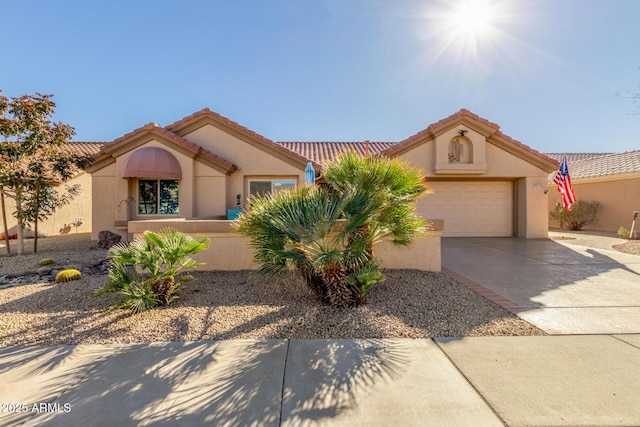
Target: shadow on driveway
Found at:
559, 287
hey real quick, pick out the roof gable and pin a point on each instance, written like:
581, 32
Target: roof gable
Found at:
150, 131
206, 116
489, 130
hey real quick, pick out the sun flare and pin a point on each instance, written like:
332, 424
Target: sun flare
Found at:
470, 37
472, 19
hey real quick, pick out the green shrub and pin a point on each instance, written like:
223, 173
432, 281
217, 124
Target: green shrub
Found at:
159, 257
581, 214
327, 234
622, 233
68, 275
46, 261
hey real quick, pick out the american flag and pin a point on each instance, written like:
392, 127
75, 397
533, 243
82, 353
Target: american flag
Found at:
564, 185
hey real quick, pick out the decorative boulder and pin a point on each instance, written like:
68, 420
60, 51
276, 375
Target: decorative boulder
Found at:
106, 239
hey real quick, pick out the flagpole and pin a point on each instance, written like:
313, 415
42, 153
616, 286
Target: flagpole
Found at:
554, 176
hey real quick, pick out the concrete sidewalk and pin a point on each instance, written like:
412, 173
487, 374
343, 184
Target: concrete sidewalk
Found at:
484, 381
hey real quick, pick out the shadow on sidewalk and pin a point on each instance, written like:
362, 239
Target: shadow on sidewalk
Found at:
233, 383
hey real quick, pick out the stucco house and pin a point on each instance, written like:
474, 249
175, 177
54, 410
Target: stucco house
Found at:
77, 212
611, 179
192, 174
484, 182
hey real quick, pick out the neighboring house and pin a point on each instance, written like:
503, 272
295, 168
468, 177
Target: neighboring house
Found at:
79, 210
611, 179
484, 182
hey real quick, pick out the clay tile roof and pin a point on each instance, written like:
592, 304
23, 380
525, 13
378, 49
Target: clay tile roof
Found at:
461, 113
157, 129
105, 147
572, 157
85, 148
321, 152
608, 164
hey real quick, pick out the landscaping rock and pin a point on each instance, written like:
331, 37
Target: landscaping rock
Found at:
107, 238
43, 271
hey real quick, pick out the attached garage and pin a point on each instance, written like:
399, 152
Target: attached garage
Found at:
485, 183
471, 208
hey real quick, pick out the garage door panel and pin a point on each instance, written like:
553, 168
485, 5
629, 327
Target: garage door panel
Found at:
470, 209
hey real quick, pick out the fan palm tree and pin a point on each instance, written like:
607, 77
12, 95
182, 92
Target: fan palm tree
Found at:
159, 257
327, 233
390, 180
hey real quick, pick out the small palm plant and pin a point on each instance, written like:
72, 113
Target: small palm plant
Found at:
327, 233
159, 257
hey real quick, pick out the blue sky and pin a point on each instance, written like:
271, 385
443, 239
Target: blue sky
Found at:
550, 72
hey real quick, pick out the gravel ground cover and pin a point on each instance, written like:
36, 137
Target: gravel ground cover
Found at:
631, 247
237, 305
68, 251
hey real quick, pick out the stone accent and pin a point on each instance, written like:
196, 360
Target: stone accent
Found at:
107, 238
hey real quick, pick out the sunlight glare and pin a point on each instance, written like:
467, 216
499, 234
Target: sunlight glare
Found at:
468, 34
472, 19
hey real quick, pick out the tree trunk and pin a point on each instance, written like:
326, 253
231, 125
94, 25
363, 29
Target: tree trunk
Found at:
35, 226
20, 221
4, 221
163, 289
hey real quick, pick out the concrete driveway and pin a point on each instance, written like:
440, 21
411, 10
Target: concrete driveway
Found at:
577, 285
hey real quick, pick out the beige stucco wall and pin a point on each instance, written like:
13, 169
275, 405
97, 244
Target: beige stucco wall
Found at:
105, 201
618, 199
251, 161
230, 251
210, 192
504, 164
79, 208
532, 221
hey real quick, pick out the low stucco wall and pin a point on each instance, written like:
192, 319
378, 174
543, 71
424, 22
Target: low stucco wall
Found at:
59, 222
229, 250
